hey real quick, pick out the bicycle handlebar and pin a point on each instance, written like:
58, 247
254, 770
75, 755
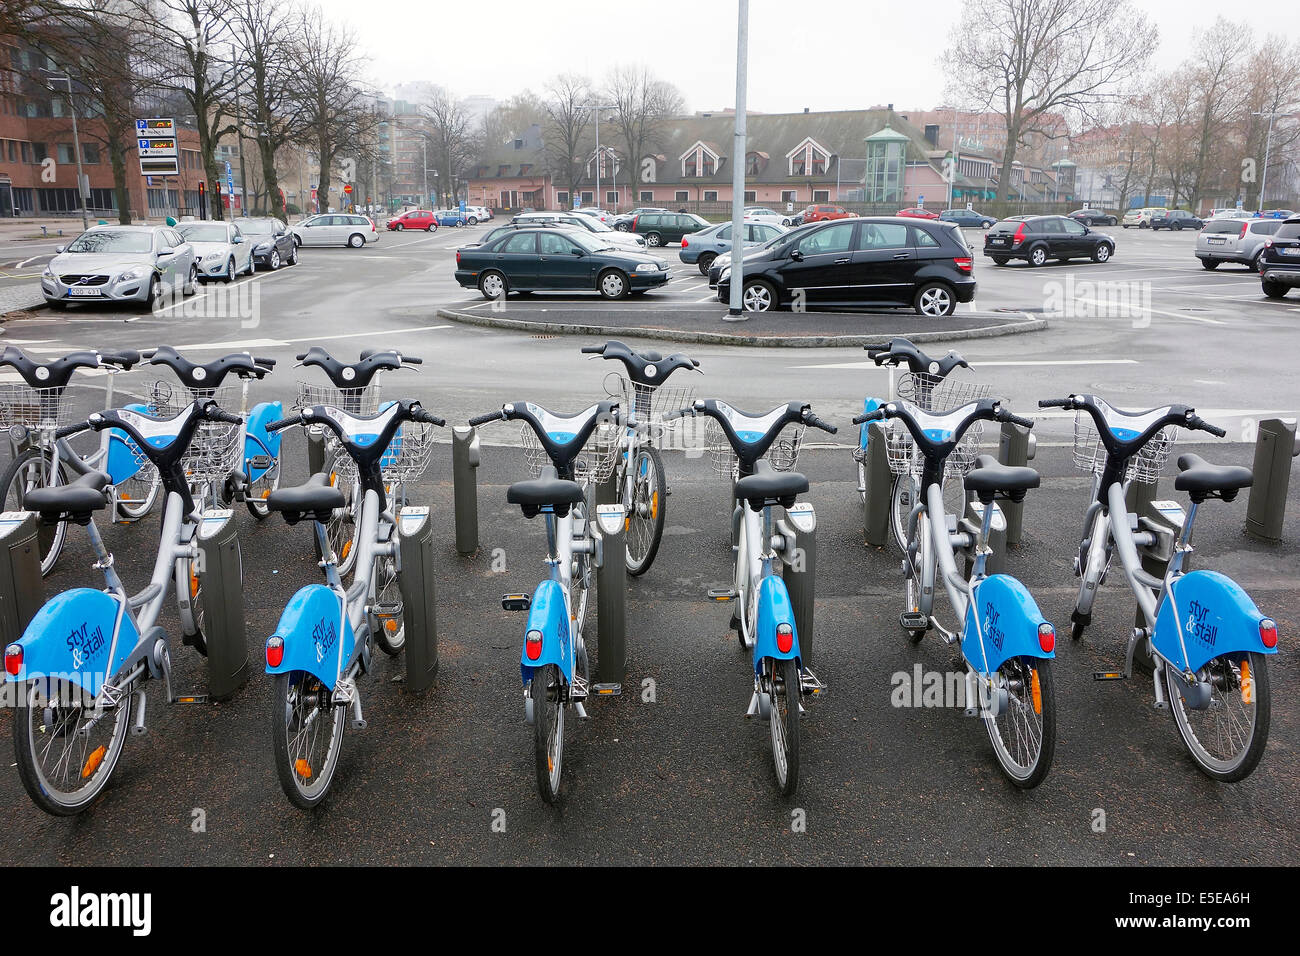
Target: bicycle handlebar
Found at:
122, 358
815, 422
284, 423
1197, 422
593, 349
874, 415
498, 416
1006, 416
418, 414
67, 431
1056, 402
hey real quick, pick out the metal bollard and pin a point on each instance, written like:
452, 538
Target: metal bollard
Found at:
879, 488
466, 456
611, 600
1016, 448
315, 449
1275, 446
419, 597
223, 604
798, 530
22, 590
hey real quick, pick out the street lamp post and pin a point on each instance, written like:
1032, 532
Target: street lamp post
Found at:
1268, 143
735, 312
596, 110
76, 146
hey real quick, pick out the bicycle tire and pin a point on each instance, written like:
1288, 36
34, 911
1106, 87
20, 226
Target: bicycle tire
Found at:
27, 472
341, 529
1246, 758
258, 491
141, 501
389, 627
783, 723
1042, 703
650, 492
546, 689
293, 764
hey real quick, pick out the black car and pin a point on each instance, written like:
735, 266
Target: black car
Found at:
273, 244
968, 218
557, 260
1279, 263
1094, 217
1039, 238
1176, 219
876, 261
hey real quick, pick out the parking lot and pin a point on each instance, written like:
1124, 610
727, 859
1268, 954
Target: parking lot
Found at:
685, 778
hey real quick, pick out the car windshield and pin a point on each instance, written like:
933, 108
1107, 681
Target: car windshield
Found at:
258, 227
112, 240
204, 232
590, 243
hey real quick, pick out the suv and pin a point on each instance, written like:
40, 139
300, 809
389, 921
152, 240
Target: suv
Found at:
1240, 240
1279, 266
876, 261
1141, 217
1176, 220
820, 213
661, 228
623, 221
1039, 238
1094, 217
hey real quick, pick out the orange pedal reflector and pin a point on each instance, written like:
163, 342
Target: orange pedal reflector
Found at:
302, 767
1037, 690
1247, 683
347, 548
266, 493
654, 505
390, 625
93, 761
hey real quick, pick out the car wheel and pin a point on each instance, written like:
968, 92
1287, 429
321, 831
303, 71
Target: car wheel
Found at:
192, 282
1000, 260
758, 296
493, 285
293, 256
433, 227
1112, 221
274, 262
297, 241
1274, 290
622, 227
356, 240
1125, 225
1101, 253
1254, 263
653, 239
1178, 227
987, 224
935, 299
1209, 263
1037, 255
706, 261
473, 221
1144, 225
612, 284
153, 299
399, 228
230, 271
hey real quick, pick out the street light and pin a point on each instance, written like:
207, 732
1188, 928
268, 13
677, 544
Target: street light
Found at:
76, 144
597, 110
1268, 142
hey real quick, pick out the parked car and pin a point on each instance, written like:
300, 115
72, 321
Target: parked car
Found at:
550, 259
120, 264
1279, 266
821, 213
1226, 212
723, 259
1094, 217
414, 219
916, 212
762, 214
450, 217
476, 214
874, 261
1277, 214
271, 241
1039, 238
661, 228
595, 212
335, 229
1240, 240
703, 247
588, 224
967, 218
623, 221
1176, 220
1141, 218
219, 249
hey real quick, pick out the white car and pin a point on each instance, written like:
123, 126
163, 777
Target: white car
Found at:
476, 214
335, 229
121, 264
603, 215
770, 218
589, 224
220, 249
1141, 218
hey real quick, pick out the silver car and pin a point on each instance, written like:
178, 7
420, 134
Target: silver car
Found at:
1239, 239
335, 229
704, 246
613, 237
220, 248
121, 264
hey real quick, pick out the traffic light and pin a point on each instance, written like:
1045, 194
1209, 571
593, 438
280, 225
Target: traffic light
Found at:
203, 200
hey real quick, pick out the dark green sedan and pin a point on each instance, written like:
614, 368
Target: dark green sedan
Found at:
557, 260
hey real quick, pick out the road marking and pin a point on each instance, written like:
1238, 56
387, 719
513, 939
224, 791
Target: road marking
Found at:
983, 364
357, 335
32, 259
237, 346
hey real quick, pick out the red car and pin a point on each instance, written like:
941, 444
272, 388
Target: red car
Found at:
818, 213
415, 219
917, 213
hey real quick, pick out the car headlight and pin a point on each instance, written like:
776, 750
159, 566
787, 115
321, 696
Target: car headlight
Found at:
726, 274
647, 267
48, 273
214, 256
139, 272
262, 247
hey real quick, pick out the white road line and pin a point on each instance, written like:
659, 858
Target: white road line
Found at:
234, 345
357, 335
709, 298
25, 261
984, 364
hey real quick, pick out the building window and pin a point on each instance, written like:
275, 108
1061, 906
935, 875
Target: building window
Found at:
710, 195
751, 164
65, 153
787, 195
13, 151
105, 199
23, 198
505, 200
525, 169
821, 195
611, 198
38, 153
707, 165
884, 180
682, 195
689, 167
587, 198
503, 170
751, 195
562, 198
58, 200
818, 163
647, 195
797, 166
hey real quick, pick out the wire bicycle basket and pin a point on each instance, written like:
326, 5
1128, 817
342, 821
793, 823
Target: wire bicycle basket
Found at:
354, 401
217, 448
904, 458
934, 393
649, 402
783, 454
1146, 466
594, 464
34, 407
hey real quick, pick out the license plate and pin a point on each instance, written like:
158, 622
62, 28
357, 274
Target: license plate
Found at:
1291, 251
1216, 240
997, 242
84, 292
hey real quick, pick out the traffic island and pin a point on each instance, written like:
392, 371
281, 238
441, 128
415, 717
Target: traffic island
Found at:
766, 329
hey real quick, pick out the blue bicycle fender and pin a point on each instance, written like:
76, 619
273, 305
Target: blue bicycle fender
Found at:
70, 636
774, 609
547, 614
309, 627
1004, 613
121, 463
1216, 616
869, 404
258, 441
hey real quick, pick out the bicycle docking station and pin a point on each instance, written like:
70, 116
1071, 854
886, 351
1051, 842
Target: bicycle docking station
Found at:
221, 567
22, 589
1016, 448
466, 456
611, 597
1275, 447
878, 488
419, 596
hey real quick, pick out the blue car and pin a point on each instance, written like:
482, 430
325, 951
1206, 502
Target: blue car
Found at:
449, 217
704, 246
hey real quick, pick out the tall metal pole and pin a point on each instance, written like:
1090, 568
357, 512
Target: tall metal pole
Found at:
735, 313
1268, 142
76, 145
424, 164
597, 196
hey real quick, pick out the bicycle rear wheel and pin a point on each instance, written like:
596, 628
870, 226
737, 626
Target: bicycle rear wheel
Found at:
386, 599
1227, 738
783, 721
645, 512
307, 732
136, 496
65, 750
258, 491
32, 469
1024, 733
341, 528
547, 690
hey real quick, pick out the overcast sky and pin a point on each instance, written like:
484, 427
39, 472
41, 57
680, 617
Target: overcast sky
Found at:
831, 54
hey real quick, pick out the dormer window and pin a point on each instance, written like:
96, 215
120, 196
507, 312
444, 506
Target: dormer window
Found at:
809, 158
609, 163
700, 160
752, 163
689, 168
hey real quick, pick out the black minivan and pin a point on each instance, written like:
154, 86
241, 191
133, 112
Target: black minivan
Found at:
876, 261
661, 228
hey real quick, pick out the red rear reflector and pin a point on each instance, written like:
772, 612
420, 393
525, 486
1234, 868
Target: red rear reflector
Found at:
14, 658
533, 645
964, 263
784, 638
457, 257
1267, 634
274, 651
1047, 638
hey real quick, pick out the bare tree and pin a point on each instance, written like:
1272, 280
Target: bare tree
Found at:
1217, 83
568, 98
451, 138
642, 105
511, 119
1030, 59
1273, 89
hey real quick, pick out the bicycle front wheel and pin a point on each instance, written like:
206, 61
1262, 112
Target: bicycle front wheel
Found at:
307, 731
901, 501
386, 601
341, 528
136, 496
66, 749
547, 690
783, 720
32, 469
1024, 731
258, 491
1227, 737
645, 512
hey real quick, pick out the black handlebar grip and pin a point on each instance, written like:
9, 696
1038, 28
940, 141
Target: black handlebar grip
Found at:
875, 415
484, 419
412, 360
680, 413
123, 357
873, 349
264, 361
302, 356
816, 422
1205, 426
593, 349
423, 415
1017, 420
69, 430
1054, 402
148, 353
284, 423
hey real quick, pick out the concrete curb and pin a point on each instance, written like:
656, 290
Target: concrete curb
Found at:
1028, 324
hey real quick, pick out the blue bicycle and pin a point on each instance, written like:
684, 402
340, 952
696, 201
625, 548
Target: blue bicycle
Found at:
1006, 644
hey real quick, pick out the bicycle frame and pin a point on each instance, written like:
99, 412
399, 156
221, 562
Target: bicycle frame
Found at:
550, 614
756, 557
